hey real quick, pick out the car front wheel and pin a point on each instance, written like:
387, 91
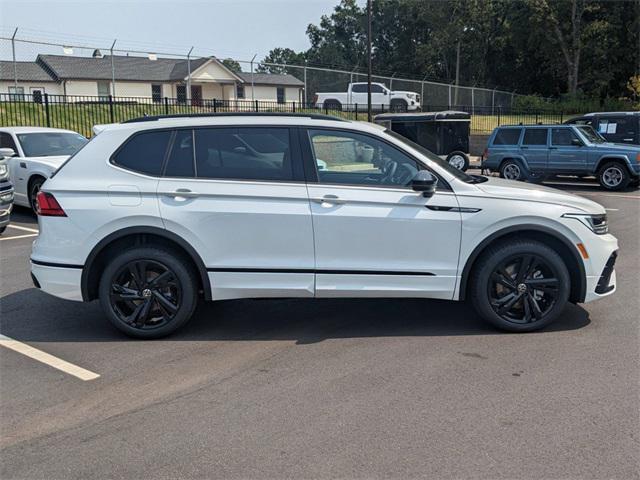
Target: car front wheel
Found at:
613, 176
148, 292
512, 170
34, 187
520, 286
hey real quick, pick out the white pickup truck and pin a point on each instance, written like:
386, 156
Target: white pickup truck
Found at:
382, 99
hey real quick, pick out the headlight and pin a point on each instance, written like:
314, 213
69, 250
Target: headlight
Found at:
412, 96
596, 223
3, 170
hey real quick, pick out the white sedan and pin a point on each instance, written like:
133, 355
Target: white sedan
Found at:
37, 153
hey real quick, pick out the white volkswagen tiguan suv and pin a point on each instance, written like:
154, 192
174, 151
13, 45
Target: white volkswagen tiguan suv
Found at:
154, 213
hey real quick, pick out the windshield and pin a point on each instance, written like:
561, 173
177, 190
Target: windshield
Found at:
459, 174
47, 144
591, 135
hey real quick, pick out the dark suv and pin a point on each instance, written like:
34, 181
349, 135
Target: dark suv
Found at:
616, 127
533, 152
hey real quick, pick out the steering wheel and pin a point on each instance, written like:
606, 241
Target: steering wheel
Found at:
388, 171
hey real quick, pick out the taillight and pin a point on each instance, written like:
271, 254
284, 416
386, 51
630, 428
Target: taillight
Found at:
48, 206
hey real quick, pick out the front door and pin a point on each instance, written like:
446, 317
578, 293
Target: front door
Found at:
566, 153
238, 196
196, 95
373, 234
534, 148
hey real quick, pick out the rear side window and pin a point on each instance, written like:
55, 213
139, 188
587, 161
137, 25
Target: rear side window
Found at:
507, 136
535, 136
180, 162
144, 152
243, 153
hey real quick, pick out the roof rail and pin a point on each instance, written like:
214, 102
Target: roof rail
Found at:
314, 116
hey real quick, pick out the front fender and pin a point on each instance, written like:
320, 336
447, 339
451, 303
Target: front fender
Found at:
609, 157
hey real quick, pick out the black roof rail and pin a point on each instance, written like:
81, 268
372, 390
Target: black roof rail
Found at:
314, 116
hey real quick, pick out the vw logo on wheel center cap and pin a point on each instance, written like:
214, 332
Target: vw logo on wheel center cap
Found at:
146, 293
522, 288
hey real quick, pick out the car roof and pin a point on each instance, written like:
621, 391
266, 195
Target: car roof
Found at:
594, 114
537, 125
33, 129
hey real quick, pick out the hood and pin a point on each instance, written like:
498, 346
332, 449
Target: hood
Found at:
617, 147
52, 161
511, 189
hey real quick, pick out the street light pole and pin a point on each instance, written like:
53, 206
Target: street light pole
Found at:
369, 115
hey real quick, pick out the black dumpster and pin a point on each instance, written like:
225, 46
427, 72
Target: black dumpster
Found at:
443, 133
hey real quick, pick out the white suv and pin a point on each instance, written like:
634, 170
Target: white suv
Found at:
154, 213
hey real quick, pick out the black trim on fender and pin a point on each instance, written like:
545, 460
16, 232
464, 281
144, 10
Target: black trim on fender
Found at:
56, 265
318, 271
202, 271
582, 287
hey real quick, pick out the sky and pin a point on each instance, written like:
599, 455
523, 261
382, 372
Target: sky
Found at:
224, 28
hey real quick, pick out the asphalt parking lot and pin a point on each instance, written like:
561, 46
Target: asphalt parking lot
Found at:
324, 388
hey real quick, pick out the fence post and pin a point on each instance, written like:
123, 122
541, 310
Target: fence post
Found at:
499, 110
166, 106
294, 107
561, 116
356, 111
111, 108
46, 109
256, 105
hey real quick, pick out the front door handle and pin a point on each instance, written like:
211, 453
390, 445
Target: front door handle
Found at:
334, 199
182, 193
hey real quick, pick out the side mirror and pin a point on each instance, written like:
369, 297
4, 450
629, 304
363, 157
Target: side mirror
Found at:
425, 182
7, 152
575, 142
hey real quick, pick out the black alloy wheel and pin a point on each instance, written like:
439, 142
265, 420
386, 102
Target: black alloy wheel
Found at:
523, 289
145, 294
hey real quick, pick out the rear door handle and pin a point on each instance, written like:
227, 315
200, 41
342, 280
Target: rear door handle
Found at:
329, 199
182, 193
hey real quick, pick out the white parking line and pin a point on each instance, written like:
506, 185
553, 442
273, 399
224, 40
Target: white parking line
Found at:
19, 236
47, 359
20, 227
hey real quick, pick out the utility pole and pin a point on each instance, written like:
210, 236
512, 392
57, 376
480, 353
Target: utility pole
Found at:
15, 66
369, 115
253, 97
113, 70
455, 95
188, 92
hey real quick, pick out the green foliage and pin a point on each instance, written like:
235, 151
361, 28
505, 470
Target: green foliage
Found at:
232, 65
546, 47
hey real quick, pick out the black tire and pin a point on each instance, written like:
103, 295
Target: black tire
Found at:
399, 106
496, 283
35, 184
332, 105
2, 229
613, 176
513, 170
458, 160
635, 183
148, 308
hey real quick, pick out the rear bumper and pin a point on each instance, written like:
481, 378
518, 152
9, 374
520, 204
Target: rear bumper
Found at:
62, 282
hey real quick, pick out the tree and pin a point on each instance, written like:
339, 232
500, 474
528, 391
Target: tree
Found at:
232, 65
284, 56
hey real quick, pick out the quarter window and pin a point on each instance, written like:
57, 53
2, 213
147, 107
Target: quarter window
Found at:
144, 152
243, 153
535, 136
562, 137
352, 158
507, 136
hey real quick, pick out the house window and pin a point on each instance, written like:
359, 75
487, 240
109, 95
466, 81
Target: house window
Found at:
239, 91
280, 94
156, 93
181, 93
16, 93
103, 90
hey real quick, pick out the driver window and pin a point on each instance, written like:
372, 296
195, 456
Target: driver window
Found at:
353, 159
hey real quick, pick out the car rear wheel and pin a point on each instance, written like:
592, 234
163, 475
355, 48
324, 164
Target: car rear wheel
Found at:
34, 187
512, 170
613, 176
148, 292
520, 286
2, 229
458, 160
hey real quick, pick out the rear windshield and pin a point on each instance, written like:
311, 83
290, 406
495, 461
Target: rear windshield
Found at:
47, 144
507, 136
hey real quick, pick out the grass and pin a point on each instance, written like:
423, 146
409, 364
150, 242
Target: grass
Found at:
82, 116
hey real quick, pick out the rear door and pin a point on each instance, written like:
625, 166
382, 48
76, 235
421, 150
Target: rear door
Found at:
621, 129
564, 155
238, 196
534, 148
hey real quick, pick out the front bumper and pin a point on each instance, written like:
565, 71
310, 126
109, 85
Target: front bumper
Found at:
6, 205
600, 266
62, 282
